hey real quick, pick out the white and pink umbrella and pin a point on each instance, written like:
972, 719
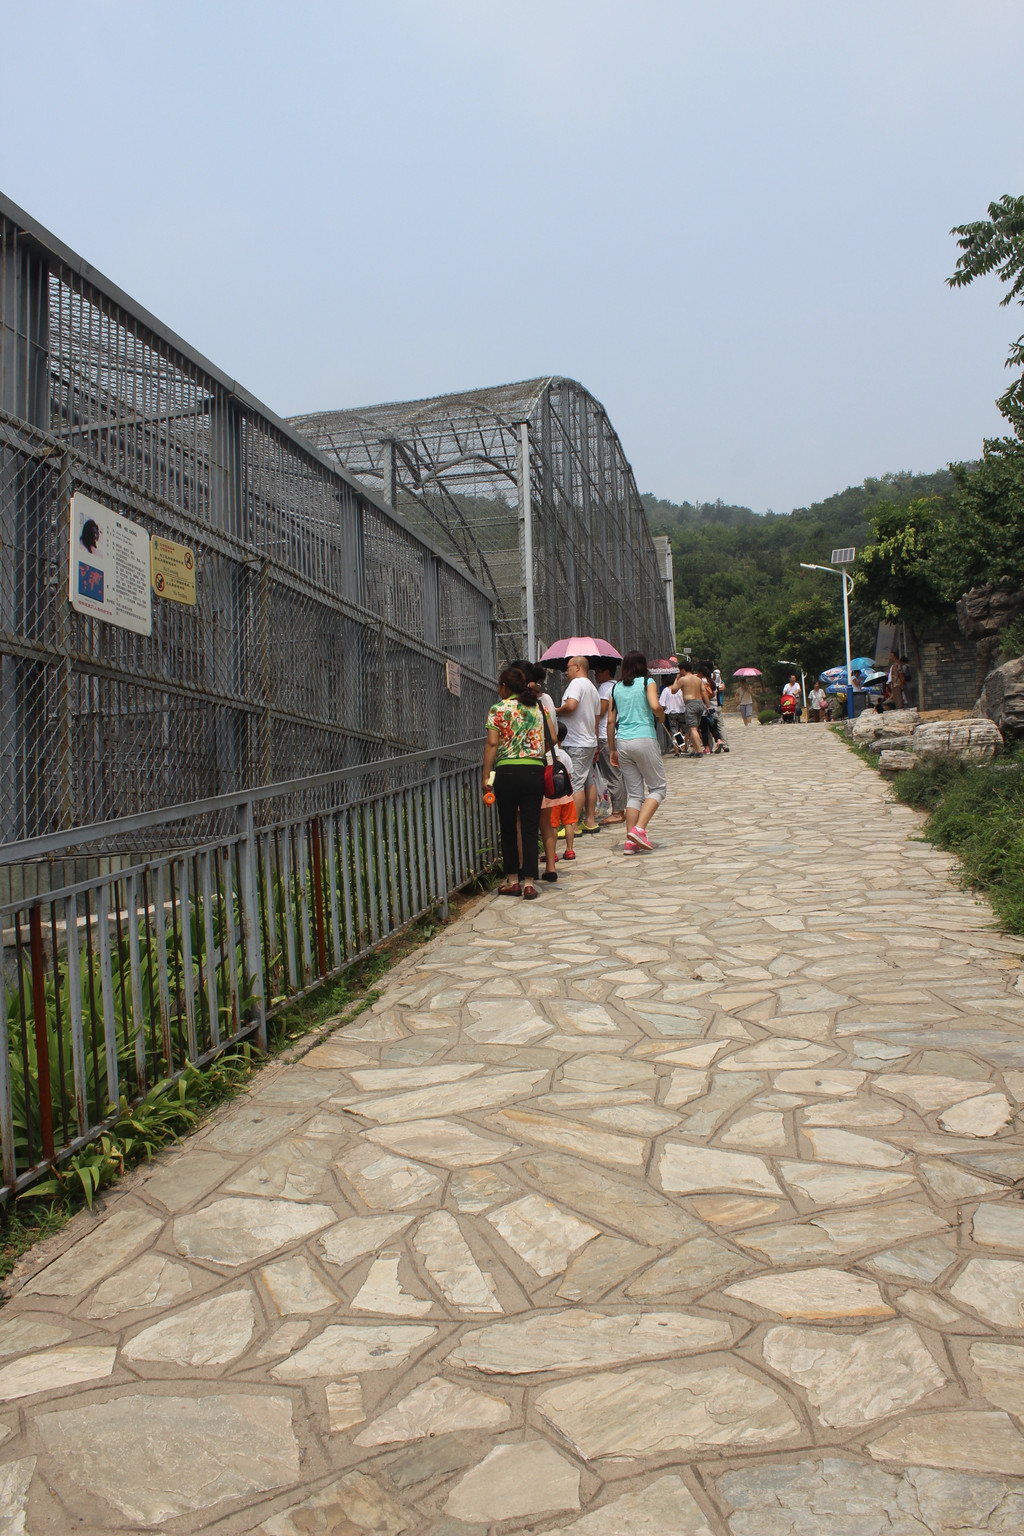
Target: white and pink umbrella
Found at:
577, 645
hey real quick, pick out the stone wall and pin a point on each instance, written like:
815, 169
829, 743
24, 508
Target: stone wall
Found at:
950, 667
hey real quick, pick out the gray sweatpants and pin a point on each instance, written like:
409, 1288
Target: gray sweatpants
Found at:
640, 761
616, 783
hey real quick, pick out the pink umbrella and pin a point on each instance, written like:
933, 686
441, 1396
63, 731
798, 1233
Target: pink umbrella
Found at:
746, 672
577, 645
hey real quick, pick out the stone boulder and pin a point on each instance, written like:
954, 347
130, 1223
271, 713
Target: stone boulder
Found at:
1002, 699
891, 743
897, 760
893, 722
982, 612
974, 739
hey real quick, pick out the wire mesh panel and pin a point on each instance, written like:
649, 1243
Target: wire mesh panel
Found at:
316, 639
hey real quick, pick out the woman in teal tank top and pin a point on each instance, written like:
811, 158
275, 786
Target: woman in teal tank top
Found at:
633, 716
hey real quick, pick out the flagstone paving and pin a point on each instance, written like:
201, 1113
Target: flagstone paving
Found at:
683, 1201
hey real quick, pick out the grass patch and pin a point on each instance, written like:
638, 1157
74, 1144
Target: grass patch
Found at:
171, 1111
976, 811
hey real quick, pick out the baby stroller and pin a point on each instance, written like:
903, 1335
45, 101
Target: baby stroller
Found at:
787, 709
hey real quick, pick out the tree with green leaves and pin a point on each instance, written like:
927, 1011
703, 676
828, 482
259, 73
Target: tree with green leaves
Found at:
996, 244
900, 571
810, 632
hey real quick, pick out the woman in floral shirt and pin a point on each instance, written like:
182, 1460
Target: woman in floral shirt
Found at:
515, 753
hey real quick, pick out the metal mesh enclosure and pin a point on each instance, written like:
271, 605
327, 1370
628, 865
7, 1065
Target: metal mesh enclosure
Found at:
527, 486
322, 624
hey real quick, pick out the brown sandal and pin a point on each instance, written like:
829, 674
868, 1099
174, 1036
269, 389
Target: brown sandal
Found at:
530, 893
510, 890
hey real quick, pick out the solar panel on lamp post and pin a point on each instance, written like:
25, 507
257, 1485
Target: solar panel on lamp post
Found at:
847, 589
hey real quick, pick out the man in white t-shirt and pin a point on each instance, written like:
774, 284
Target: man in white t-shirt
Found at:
604, 674
675, 719
581, 710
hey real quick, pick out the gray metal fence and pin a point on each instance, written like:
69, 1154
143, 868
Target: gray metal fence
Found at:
113, 983
322, 624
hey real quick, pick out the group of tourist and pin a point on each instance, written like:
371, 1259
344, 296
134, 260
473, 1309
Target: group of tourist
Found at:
543, 761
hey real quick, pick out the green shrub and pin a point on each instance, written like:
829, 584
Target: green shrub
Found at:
976, 811
768, 716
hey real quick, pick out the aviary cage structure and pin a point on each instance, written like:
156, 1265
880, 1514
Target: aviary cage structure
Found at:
528, 487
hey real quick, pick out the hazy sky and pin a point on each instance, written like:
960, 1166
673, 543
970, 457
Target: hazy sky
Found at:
729, 219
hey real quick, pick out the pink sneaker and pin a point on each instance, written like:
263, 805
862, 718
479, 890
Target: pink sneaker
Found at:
629, 848
640, 839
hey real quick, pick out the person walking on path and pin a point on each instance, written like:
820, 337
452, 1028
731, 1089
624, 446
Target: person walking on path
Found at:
673, 706
746, 702
515, 755
604, 672
818, 702
897, 681
633, 746
558, 814
792, 690
718, 685
581, 710
691, 686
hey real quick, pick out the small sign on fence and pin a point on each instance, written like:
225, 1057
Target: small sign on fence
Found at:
453, 678
174, 570
109, 567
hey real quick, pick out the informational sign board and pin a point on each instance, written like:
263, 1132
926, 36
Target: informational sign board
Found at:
843, 556
109, 566
173, 570
453, 678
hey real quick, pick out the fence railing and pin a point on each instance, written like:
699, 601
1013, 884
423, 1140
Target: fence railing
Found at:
115, 982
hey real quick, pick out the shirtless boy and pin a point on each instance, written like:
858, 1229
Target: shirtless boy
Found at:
690, 685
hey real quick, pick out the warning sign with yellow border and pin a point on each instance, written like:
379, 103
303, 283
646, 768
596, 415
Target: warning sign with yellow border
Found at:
173, 570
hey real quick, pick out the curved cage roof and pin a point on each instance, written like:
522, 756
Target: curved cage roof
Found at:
527, 485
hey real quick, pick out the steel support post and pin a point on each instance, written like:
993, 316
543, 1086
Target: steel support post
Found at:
440, 846
526, 539
249, 911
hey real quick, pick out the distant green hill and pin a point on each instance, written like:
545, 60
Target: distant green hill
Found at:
737, 573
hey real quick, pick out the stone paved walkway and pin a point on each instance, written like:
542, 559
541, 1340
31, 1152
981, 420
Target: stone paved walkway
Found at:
681, 1201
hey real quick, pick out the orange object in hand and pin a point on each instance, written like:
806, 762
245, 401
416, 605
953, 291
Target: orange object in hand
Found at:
489, 791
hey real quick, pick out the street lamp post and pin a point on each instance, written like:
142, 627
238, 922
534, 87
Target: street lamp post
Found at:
847, 589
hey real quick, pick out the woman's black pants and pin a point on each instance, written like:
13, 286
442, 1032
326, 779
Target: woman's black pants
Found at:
518, 792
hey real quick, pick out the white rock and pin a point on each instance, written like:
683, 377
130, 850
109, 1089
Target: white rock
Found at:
294, 1286
151, 1281
383, 1292
984, 1116
360, 1235
975, 739
210, 1333
579, 1340
235, 1230
973, 1441
999, 1225
663, 1508
386, 1182
437, 1407
541, 1232
342, 1350
445, 1142
31, 1331
653, 1410
344, 1404
835, 1082
851, 1378
778, 1052
994, 1288
450, 1263
52, 1369
765, 1132
925, 1090
1000, 1369
514, 1482
111, 1242
686, 1169
813, 1295
832, 1184
838, 1146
